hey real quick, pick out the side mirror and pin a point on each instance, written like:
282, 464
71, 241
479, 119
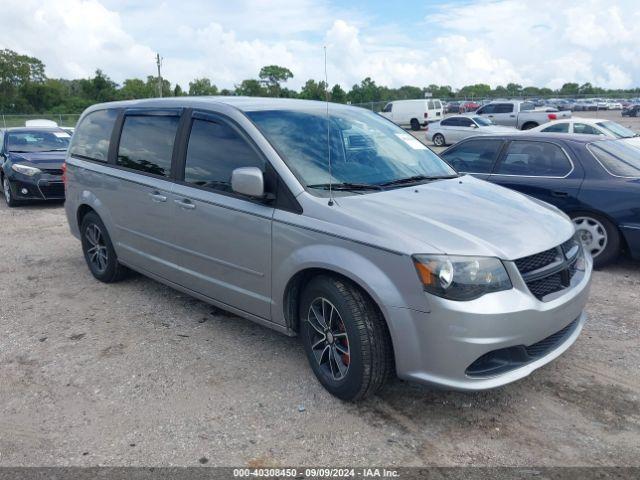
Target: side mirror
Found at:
248, 181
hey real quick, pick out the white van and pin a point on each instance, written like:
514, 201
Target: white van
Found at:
413, 113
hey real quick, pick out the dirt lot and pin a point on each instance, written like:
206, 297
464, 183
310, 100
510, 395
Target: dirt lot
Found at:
138, 374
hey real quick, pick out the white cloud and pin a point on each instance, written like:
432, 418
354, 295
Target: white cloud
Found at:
532, 43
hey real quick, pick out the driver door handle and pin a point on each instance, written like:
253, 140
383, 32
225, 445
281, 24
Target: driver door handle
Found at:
158, 197
185, 203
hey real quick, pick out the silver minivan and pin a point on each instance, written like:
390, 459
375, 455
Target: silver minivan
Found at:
331, 223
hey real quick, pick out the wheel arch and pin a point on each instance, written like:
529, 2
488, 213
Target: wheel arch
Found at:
591, 211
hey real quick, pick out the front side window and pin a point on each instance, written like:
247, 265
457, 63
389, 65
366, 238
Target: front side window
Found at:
146, 143
483, 121
585, 129
363, 147
504, 108
214, 151
28, 141
449, 122
92, 137
474, 156
489, 108
561, 127
618, 157
465, 122
534, 159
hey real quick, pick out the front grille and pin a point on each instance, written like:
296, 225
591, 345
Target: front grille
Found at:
53, 171
52, 190
550, 271
510, 358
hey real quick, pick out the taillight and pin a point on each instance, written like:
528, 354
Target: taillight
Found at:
426, 114
64, 174
552, 116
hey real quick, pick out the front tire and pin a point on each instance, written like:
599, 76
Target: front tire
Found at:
438, 140
598, 236
345, 338
98, 250
8, 194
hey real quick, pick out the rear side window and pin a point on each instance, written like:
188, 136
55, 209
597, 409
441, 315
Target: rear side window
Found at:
449, 122
92, 137
504, 108
557, 128
534, 159
214, 151
146, 143
473, 156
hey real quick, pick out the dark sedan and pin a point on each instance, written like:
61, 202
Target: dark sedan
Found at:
32, 161
596, 182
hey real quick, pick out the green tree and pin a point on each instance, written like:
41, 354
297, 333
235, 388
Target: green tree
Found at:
251, 88
273, 76
202, 86
16, 71
569, 89
133, 88
338, 95
313, 90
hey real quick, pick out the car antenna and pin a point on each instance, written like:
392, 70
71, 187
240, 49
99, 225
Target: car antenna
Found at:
326, 98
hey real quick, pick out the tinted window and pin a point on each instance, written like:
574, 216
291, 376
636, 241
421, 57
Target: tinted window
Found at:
504, 108
449, 122
473, 156
465, 122
91, 138
557, 127
490, 108
618, 157
387, 107
214, 151
146, 143
584, 128
538, 159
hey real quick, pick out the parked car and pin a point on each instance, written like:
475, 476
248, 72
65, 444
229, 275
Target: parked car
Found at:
452, 107
468, 106
31, 163
368, 246
614, 105
631, 110
587, 126
593, 180
413, 113
585, 105
521, 115
458, 127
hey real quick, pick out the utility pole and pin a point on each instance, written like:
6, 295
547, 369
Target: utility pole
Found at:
159, 63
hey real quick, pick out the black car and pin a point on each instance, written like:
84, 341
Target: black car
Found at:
594, 181
32, 159
631, 110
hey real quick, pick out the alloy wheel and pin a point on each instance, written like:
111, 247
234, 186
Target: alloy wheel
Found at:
592, 234
97, 249
328, 338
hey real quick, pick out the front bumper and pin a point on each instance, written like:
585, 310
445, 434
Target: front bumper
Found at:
438, 347
38, 187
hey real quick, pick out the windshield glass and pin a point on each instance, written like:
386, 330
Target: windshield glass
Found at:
618, 157
483, 121
37, 141
365, 148
617, 129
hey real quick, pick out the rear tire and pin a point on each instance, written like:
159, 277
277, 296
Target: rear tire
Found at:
345, 338
438, 140
599, 236
98, 250
415, 124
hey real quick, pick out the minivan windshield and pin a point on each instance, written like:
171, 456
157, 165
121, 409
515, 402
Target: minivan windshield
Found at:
367, 151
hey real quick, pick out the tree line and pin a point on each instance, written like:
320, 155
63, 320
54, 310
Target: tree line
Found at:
25, 88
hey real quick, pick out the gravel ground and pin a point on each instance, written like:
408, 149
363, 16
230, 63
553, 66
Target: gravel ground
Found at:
138, 374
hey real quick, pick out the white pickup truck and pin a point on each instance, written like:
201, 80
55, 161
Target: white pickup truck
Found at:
520, 114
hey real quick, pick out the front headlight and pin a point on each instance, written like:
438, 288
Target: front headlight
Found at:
461, 278
25, 169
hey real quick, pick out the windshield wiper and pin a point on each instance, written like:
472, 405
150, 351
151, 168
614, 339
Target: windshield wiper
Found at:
345, 186
415, 179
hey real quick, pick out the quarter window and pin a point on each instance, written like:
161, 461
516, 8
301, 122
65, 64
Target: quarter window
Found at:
534, 159
146, 143
92, 137
214, 151
473, 156
557, 128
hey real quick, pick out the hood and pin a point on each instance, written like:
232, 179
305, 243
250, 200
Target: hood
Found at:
460, 216
39, 159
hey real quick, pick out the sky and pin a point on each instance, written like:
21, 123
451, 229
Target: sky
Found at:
541, 43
